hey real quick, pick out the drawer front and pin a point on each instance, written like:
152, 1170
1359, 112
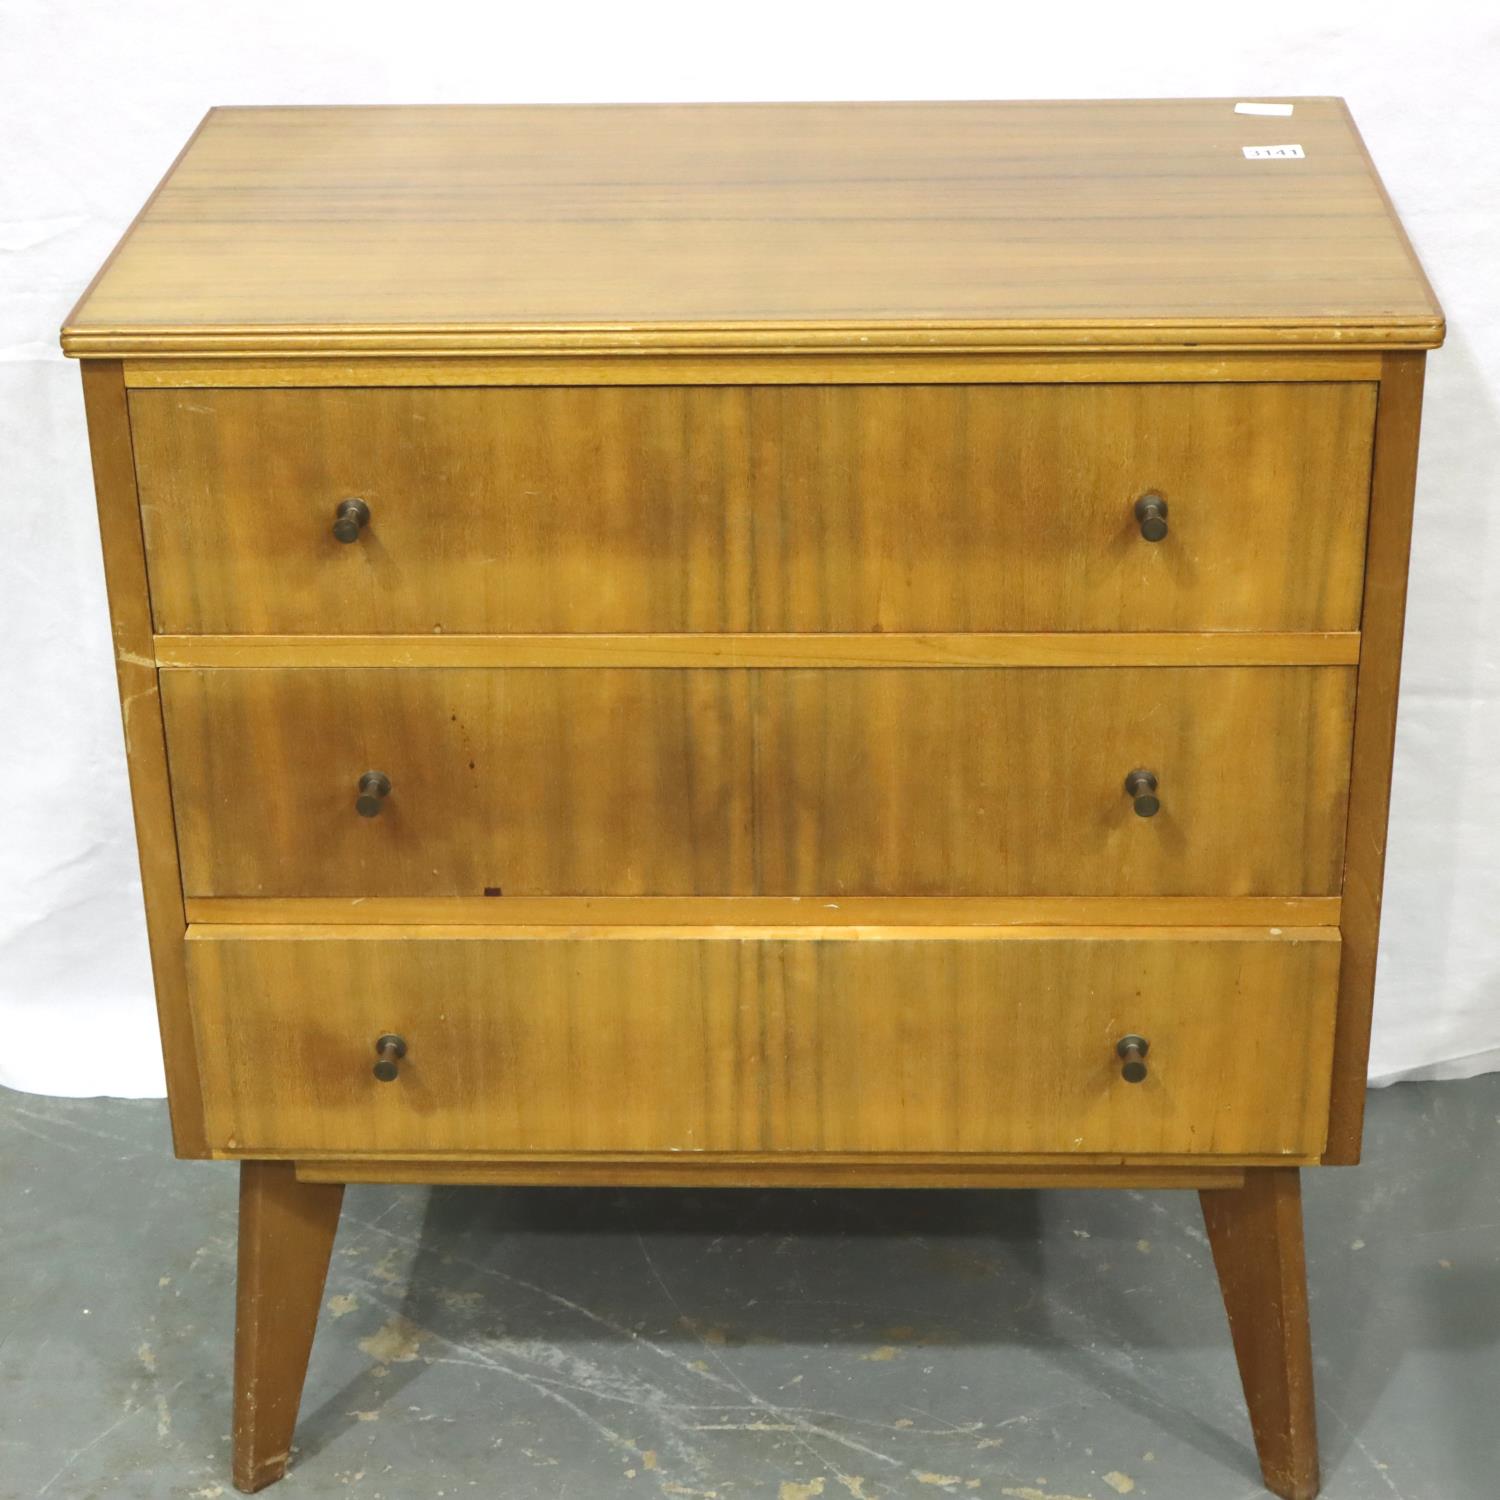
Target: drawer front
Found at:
663, 1041
798, 508
654, 781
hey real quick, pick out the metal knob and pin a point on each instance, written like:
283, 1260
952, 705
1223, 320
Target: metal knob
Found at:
1151, 516
350, 517
390, 1049
374, 788
1132, 1052
1140, 787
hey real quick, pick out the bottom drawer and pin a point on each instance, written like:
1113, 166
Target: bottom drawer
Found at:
741, 1040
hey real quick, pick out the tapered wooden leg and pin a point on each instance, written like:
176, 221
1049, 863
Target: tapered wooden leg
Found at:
286, 1236
1256, 1235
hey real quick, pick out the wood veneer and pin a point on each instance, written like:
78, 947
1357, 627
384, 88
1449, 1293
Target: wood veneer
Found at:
649, 782
754, 624
755, 508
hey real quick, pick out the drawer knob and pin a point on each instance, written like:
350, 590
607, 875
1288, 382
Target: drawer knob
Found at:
1140, 787
374, 788
1151, 516
390, 1049
350, 517
1132, 1052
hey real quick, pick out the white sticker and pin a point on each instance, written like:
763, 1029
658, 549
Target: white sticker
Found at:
1258, 153
1264, 109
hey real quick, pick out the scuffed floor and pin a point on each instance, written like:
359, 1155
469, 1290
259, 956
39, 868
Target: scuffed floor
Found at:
838, 1345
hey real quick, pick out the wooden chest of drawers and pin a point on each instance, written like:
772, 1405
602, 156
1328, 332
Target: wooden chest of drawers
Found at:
737, 645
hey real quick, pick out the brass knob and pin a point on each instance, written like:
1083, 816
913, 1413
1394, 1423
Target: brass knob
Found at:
390, 1049
1140, 787
1151, 516
350, 517
1132, 1052
374, 788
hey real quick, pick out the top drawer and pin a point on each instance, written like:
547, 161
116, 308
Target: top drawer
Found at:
776, 508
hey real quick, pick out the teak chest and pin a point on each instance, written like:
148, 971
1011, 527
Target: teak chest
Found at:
743, 645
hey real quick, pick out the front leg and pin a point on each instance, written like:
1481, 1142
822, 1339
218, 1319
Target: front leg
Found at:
1256, 1235
286, 1236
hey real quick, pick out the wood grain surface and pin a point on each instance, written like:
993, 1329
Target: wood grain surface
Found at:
145, 739
1066, 366
672, 1169
1392, 499
286, 1234
755, 630
835, 508
825, 1041
774, 911
764, 648
1138, 222
676, 782
1255, 1233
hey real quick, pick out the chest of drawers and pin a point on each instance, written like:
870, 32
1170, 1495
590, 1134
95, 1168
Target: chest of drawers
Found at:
762, 645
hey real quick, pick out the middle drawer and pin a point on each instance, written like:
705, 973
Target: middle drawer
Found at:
770, 781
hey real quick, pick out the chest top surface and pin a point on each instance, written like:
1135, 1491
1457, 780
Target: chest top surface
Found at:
1136, 223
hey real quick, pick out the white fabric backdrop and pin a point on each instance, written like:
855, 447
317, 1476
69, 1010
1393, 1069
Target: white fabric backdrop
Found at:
96, 99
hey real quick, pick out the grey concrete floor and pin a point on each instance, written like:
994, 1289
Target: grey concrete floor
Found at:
535, 1343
